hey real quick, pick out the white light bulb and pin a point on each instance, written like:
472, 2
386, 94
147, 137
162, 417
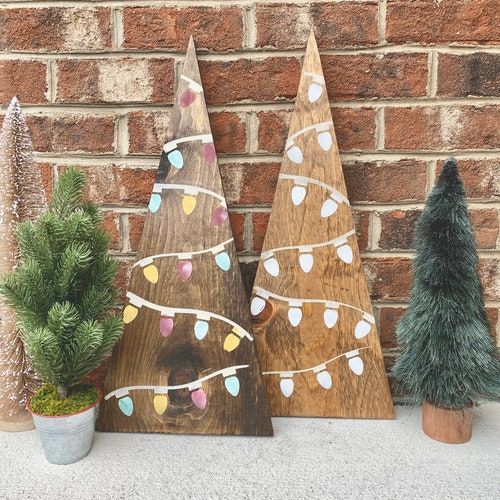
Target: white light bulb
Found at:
306, 261
362, 329
286, 386
294, 315
345, 253
356, 365
325, 140
257, 306
295, 154
324, 379
330, 316
329, 208
298, 195
314, 92
271, 266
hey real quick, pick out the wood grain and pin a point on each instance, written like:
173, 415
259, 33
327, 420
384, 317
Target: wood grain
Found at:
144, 357
283, 347
447, 425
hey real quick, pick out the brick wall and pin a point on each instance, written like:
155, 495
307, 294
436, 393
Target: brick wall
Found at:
410, 84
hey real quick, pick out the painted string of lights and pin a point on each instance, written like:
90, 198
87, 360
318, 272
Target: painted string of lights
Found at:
161, 401
330, 315
299, 192
316, 88
188, 96
325, 140
323, 377
201, 327
185, 265
306, 259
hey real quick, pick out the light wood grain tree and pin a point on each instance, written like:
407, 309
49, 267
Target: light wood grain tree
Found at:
22, 198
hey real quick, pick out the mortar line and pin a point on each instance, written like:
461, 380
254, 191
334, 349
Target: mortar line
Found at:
382, 21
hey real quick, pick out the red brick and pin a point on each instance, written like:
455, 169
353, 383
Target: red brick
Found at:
386, 182
114, 185
112, 226
259, 225
375, 76
148, 130
72, 133
388, 320
250, 183
270, 79
481, 178
115, 80
24, 79
492, 315
489, 273
55, 29
237, 221
397, 228
485, 225
213, 28
388, 279
355, 129
442, 127
362, 223
286, 26
123, 276
135, 227
463, 21
47, 178
468, 75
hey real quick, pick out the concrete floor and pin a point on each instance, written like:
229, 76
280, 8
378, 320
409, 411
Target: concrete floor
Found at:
307, 458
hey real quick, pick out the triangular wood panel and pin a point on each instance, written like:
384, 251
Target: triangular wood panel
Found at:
313, 322
187, 361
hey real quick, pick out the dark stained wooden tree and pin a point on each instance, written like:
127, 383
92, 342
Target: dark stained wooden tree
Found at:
187, 361
318, 343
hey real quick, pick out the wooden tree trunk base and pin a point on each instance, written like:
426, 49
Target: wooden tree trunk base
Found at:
18, 425
447, 425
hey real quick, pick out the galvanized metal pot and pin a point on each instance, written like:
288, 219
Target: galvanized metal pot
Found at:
68, 438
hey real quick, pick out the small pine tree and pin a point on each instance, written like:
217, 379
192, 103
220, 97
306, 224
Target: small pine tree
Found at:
447, 355
62, 289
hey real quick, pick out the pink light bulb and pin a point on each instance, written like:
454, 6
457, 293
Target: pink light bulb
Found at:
219, 216
187, 98
199, 398
209, 152
185, 268
166, 326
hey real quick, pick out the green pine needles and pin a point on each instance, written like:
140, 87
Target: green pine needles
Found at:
448, 355
62, 289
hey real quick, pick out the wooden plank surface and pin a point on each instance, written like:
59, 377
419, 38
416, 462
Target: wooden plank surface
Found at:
311, 253
164, 353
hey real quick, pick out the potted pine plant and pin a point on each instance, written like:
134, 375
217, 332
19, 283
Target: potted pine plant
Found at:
62, 294
448, 356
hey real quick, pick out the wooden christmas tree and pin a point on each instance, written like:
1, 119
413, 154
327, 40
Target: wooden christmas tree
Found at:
187, 361
315, 331
22, 198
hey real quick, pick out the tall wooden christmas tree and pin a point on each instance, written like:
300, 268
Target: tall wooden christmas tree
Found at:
22, 198
316, 334
187, 361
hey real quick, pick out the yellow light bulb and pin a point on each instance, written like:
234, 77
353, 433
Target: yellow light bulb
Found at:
151, 273
188, 204
129, 314
160, 403
232, 342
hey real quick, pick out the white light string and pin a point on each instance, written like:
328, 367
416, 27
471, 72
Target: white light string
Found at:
330, 315
299, 192
201, 326
160, 403
194, 86
189, 200
306, 259
322, 375
317, 86
325, 140
172, 145
185, 266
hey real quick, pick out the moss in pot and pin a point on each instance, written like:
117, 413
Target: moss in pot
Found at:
63, 295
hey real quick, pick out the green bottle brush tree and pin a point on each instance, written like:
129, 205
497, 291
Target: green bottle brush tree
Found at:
448, 355
62, 294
